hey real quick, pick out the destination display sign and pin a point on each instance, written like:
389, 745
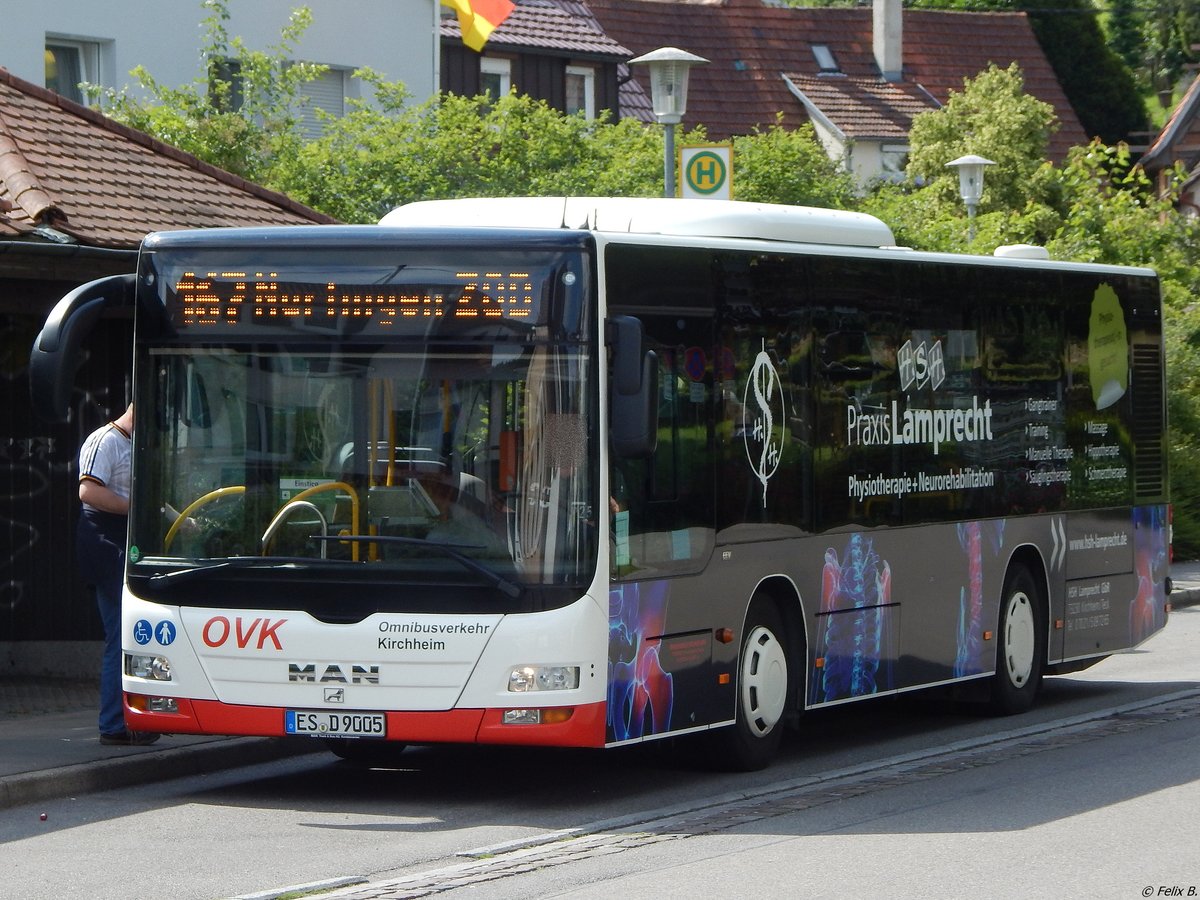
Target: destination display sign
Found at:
230, 299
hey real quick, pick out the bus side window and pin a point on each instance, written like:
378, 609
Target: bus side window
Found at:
856, 321
662, 507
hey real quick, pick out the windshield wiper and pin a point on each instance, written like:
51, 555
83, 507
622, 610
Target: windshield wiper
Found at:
165, 580
507, 587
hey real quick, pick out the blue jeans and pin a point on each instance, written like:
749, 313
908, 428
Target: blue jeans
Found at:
112, 704
100, 552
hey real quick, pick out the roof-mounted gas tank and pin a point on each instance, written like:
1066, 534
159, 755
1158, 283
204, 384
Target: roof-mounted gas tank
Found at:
651, 215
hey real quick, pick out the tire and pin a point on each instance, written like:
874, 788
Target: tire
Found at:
1020, 644
764, 677
383, 754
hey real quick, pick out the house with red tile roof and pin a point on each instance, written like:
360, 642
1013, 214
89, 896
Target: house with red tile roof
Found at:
553, 50
97, 183
859, 74
1178, 144
77, 194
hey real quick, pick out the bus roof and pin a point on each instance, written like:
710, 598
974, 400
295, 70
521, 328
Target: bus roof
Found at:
651, 215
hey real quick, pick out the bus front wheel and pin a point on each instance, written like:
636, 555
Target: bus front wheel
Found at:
762, 692
1021, 644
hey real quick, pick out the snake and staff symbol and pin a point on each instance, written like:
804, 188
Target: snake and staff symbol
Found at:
762, 408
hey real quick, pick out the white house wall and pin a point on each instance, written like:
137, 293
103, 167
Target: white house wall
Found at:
862, 159
866, 162
397, 39
833, 142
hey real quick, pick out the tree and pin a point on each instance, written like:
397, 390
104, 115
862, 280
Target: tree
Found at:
1167, 32
789, 166
1101, 88
992, 117
391, 151
1098, 206
384, 154
1124, 28
241, 114
1099, 85
388, 153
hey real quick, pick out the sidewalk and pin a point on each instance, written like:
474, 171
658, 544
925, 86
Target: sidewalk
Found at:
49, 747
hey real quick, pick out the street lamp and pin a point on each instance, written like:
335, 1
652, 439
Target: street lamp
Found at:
668, 95
970, 185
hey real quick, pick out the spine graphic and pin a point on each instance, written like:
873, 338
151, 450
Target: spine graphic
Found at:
970, 602
854, 597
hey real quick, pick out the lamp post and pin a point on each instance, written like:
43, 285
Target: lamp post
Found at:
970, 185
668, 94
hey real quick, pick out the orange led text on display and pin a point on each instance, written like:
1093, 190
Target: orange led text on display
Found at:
230, 298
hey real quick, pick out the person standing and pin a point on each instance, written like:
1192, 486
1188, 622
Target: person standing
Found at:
104, 476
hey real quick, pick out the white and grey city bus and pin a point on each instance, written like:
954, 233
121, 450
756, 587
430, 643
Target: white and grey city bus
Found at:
592, 471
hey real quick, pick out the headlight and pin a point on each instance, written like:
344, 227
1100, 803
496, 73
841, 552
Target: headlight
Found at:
142, 703
523, 679
156, 668
555, 716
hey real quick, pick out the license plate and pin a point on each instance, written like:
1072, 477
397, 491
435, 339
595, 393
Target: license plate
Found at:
321, 723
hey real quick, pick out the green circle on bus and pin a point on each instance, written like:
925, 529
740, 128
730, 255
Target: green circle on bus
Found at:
706, 172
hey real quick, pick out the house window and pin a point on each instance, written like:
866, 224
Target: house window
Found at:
225, 84
893, 159
70, 62
826, 61
326, 93
581, 91
495, 77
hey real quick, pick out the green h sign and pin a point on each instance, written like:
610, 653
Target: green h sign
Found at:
707, 172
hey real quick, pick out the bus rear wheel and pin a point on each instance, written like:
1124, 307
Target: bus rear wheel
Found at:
762, 692
1021, 644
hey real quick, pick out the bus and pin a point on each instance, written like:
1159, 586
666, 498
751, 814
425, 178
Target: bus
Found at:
589, 472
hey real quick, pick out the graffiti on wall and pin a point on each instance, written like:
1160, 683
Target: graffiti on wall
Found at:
36, 465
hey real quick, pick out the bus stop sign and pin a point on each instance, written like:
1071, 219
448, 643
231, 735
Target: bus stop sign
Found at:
707, 172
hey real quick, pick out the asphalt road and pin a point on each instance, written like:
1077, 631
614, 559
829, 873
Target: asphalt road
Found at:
1090, 795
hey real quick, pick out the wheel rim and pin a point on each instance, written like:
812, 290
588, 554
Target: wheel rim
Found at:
763, 681
1019, 639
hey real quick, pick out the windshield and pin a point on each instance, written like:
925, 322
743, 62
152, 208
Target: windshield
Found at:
386, 471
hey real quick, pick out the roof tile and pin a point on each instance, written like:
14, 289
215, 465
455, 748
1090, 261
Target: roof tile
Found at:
108, 185
1171, 143
750, 46
865, 108
546, 25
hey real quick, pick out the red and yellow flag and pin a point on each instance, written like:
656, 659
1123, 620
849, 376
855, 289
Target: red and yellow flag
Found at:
479, 18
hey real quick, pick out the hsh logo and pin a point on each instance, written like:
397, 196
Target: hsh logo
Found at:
218, 629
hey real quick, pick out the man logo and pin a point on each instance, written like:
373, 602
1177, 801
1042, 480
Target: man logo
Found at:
333, 674
335, 695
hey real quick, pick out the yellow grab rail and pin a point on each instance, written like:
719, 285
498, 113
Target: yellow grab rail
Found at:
195, 505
